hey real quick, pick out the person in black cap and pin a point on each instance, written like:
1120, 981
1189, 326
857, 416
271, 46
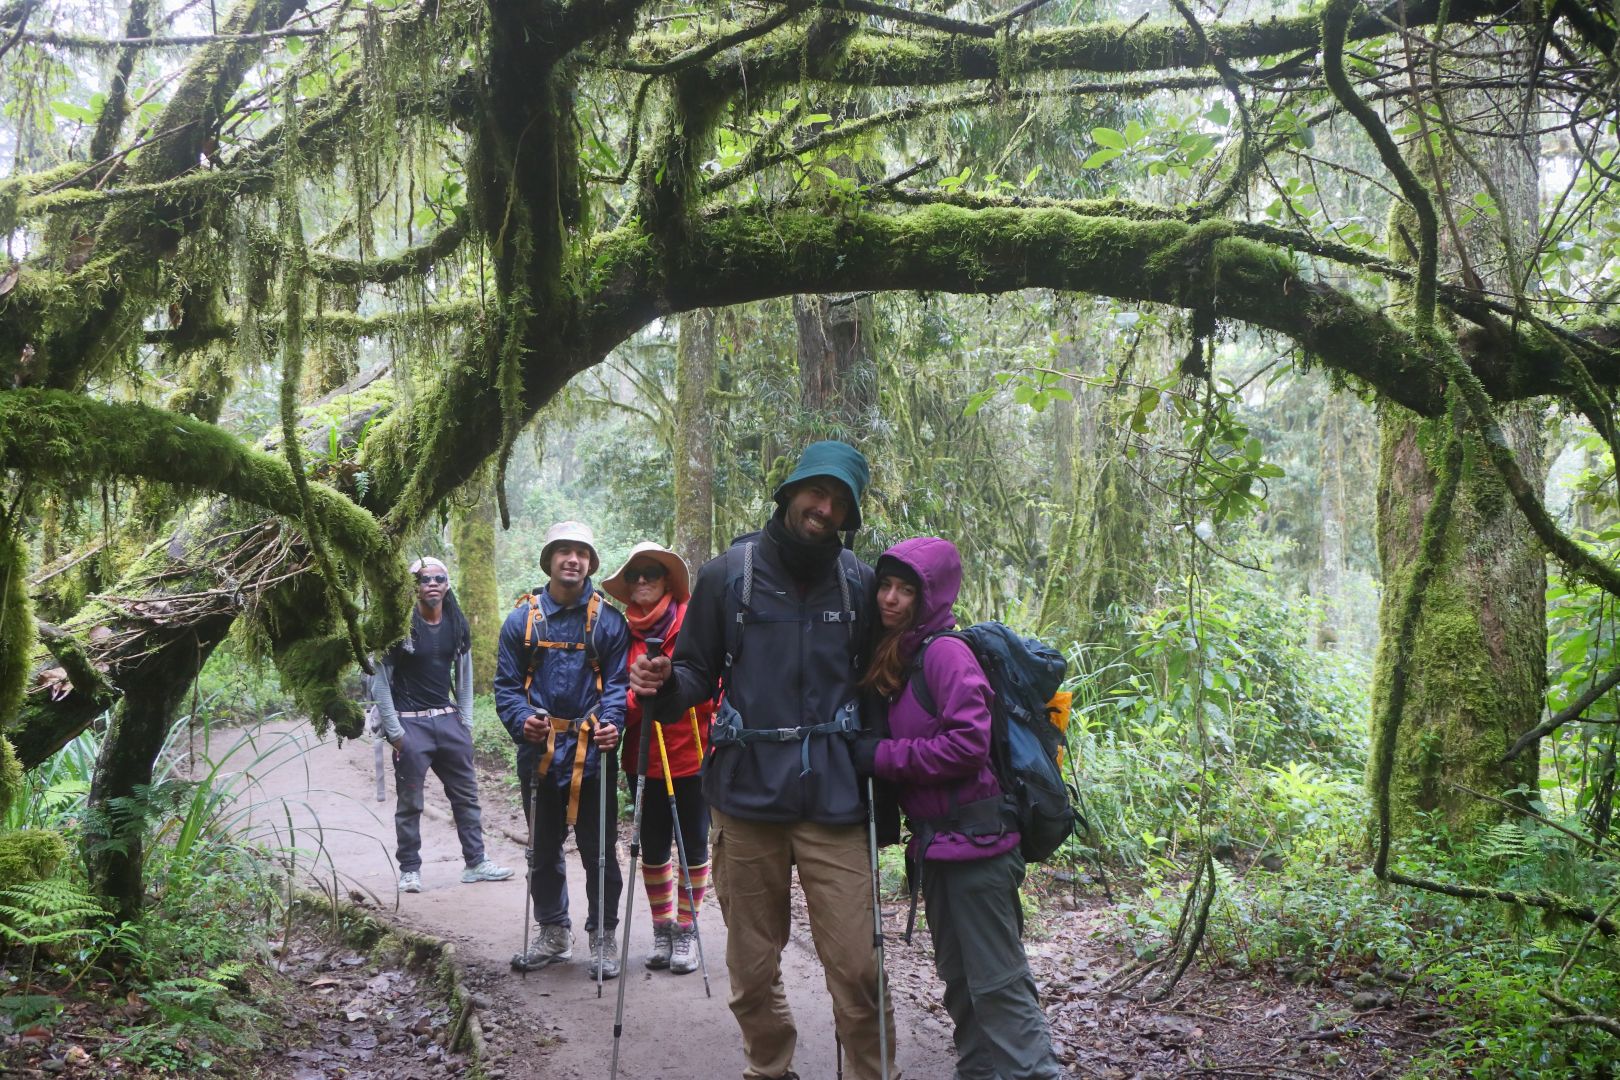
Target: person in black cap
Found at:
782, 619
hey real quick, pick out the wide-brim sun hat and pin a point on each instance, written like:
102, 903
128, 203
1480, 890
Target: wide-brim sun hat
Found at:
576, 532
679, 577
838, 460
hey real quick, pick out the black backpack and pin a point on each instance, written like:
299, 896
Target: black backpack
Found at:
1026, 734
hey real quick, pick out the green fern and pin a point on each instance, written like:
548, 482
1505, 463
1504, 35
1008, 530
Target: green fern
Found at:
1504, 841
48, 912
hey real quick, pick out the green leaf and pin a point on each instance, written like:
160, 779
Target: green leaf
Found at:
978, 401
69, 111
1108, 137
1219, 114
1100, 158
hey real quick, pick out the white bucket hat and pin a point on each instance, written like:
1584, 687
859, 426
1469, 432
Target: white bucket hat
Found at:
574, 532
673, 564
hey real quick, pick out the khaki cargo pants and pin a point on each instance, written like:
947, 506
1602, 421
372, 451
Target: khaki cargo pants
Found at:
753, 864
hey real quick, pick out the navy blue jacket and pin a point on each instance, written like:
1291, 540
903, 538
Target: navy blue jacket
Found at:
564, 684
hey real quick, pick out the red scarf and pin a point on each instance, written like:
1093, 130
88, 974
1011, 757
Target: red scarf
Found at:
653, 621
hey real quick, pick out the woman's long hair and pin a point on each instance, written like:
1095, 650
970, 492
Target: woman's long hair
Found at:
886, 674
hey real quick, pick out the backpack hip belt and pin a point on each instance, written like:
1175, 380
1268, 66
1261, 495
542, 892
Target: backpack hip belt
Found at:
727, 729
583, 731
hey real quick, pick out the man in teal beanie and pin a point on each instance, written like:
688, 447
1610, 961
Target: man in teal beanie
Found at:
835, 460
783, 618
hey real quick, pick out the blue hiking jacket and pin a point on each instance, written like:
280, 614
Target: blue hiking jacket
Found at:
563, 683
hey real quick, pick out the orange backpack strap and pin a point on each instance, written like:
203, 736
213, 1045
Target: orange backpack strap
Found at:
583, 730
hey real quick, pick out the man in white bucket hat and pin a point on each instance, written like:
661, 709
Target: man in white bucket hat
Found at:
560, 684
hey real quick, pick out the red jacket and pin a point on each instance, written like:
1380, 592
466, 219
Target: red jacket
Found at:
685, 754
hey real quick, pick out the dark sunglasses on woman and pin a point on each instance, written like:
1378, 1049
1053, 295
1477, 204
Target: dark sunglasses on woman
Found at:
644, 573
431, 579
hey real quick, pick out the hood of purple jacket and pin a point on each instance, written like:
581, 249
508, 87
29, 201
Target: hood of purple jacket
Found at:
940, 761
938, 566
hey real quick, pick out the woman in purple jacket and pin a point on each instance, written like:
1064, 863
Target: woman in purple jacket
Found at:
971, 868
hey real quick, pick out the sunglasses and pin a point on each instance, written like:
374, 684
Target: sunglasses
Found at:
644, 573
431, 579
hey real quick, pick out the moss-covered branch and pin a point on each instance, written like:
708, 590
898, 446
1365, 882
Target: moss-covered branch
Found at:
342, 325
72, 438
755, 253
1335, 24
412, 262
921, 58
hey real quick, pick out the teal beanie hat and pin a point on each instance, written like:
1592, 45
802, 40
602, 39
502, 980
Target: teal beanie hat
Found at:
838, 460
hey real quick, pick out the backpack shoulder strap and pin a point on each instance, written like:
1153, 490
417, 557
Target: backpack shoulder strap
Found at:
593, 607
919, 682
734, 630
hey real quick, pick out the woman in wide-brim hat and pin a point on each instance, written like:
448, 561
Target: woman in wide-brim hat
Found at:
654, 587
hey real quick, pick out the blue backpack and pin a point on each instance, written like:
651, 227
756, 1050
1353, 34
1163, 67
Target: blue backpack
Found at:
1026, 737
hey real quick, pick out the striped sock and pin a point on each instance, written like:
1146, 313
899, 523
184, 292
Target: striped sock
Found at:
660, 882
700, 887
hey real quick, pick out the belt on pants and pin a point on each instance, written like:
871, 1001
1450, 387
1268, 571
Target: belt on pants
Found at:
417, 714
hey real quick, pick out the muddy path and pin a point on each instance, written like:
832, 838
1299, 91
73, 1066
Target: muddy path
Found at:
550, 1023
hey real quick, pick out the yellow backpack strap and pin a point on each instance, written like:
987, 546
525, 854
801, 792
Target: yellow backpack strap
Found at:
582, 736
593, 608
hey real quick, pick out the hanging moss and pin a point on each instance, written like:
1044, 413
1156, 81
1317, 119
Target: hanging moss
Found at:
311, 671
11, 777
16, 625
29, 855
472, 532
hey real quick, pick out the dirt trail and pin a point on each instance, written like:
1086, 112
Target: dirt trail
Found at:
550, 1024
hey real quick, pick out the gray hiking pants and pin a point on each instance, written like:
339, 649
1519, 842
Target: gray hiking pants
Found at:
974, 920
441, 743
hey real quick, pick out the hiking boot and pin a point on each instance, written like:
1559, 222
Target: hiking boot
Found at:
553, 944
663, 945
604, 951
683, 960
410, 881
485, 871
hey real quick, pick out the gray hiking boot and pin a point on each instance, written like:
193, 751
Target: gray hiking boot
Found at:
485, 871
663, 945
604, 951
683, 958
553, 944
410, 881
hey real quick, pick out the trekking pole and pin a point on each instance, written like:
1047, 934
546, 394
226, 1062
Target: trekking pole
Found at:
603, 762
680, 853
528, 878
877, 928
655, 647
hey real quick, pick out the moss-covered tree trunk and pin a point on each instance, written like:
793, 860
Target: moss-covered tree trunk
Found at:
693, 438
1478, 667
837, 380
1479, 660
472, 534
118, 811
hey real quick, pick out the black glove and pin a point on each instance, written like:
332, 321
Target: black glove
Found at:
863, 751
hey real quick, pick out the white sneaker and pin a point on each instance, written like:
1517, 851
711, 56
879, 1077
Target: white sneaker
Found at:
485, 871
410, 881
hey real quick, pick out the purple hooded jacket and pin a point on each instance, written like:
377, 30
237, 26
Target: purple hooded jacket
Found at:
932, 758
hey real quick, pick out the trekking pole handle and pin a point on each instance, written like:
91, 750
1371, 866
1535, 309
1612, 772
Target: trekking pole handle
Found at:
655, 649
